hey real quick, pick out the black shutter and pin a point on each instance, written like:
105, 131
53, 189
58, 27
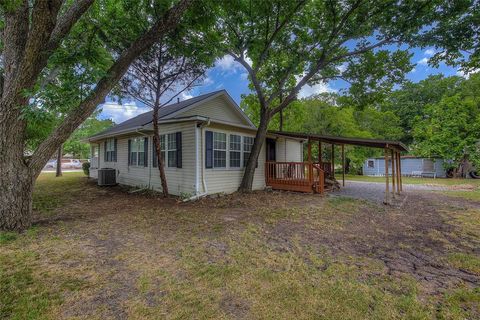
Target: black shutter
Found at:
129, 151
115, 149
105, 158
154, 154
178, 138
208, 149
145, 152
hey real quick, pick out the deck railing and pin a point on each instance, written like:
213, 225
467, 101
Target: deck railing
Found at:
294, 176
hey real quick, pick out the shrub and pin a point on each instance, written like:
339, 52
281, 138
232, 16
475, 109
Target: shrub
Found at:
86, 168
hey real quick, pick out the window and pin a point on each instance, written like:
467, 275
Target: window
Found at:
219, 150
110, 150
428, 165
172, 150
247, 149
235, 150
137, 152
371, 164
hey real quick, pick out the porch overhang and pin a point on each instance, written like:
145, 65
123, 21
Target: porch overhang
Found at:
372, 143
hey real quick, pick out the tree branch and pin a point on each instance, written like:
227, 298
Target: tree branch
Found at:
77, 115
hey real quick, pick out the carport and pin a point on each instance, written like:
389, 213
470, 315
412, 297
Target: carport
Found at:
392, 151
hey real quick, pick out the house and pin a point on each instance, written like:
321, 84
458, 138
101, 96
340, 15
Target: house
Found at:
205, 142
411, 166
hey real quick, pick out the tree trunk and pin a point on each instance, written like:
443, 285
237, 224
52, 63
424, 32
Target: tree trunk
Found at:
16, 199
247, 180
17, 175
280, 126
59, 161
158, 149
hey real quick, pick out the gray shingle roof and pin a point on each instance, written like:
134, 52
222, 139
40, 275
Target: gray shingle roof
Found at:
146, 118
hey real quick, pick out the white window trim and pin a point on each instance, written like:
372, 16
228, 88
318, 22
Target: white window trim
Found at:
164, 149
141, 139
227, 167
110, 148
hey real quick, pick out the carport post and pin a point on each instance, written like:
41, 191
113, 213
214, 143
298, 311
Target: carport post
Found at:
392, 152
400, 171
387, 184
397, 168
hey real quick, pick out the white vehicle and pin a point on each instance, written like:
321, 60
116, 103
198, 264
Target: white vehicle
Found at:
66, 164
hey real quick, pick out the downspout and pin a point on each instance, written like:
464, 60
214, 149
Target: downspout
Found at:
149, 166
202, 162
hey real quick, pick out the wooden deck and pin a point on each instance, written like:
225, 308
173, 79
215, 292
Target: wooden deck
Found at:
295, 176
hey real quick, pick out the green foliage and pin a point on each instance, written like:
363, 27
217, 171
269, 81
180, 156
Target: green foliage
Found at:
76, 146
86, 168
451, 128
408, 102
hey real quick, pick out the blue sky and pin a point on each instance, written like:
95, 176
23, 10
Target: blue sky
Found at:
231, 76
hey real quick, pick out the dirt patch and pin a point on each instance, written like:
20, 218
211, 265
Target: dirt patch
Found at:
131, 249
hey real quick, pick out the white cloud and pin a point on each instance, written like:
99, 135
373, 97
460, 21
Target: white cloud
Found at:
466, 74
244, 75
413, 70
185, 96
429, 52
208, 81
423, 61
121, 112
308, 91
227, 64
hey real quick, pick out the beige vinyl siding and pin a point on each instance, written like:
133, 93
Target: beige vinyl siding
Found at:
289, 150
180, 180
227, 180
217, 109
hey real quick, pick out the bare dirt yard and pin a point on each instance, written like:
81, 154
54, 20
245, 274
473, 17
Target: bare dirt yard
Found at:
105, 253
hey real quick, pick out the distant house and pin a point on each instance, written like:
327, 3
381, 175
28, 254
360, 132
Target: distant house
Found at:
205, 142
411, 166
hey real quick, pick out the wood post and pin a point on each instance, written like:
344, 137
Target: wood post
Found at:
343, 165
392, 152
310, 166
400, 172
397, 170
309, 151
333, 160
387, 184
320, 154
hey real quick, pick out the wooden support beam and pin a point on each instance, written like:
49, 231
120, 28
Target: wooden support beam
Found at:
343, 165
400, 171
397, 170
309, 154
333, 160
392, 152
320, 153
387, 184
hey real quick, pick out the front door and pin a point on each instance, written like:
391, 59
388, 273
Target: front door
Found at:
271, 150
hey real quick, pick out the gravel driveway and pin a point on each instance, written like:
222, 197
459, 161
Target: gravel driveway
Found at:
375, 191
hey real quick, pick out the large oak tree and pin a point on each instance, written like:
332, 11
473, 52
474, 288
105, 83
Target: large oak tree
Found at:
285, 45
32, 32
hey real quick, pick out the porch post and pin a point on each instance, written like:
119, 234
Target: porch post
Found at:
320, 153
310, 166
333, 160
309, 151
387, 184
343, 165
393, 172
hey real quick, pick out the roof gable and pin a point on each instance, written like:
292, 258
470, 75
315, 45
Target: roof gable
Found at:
217, 107
210, 105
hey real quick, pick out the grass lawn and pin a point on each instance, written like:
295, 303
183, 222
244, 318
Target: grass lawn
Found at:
102, 253
411, 180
